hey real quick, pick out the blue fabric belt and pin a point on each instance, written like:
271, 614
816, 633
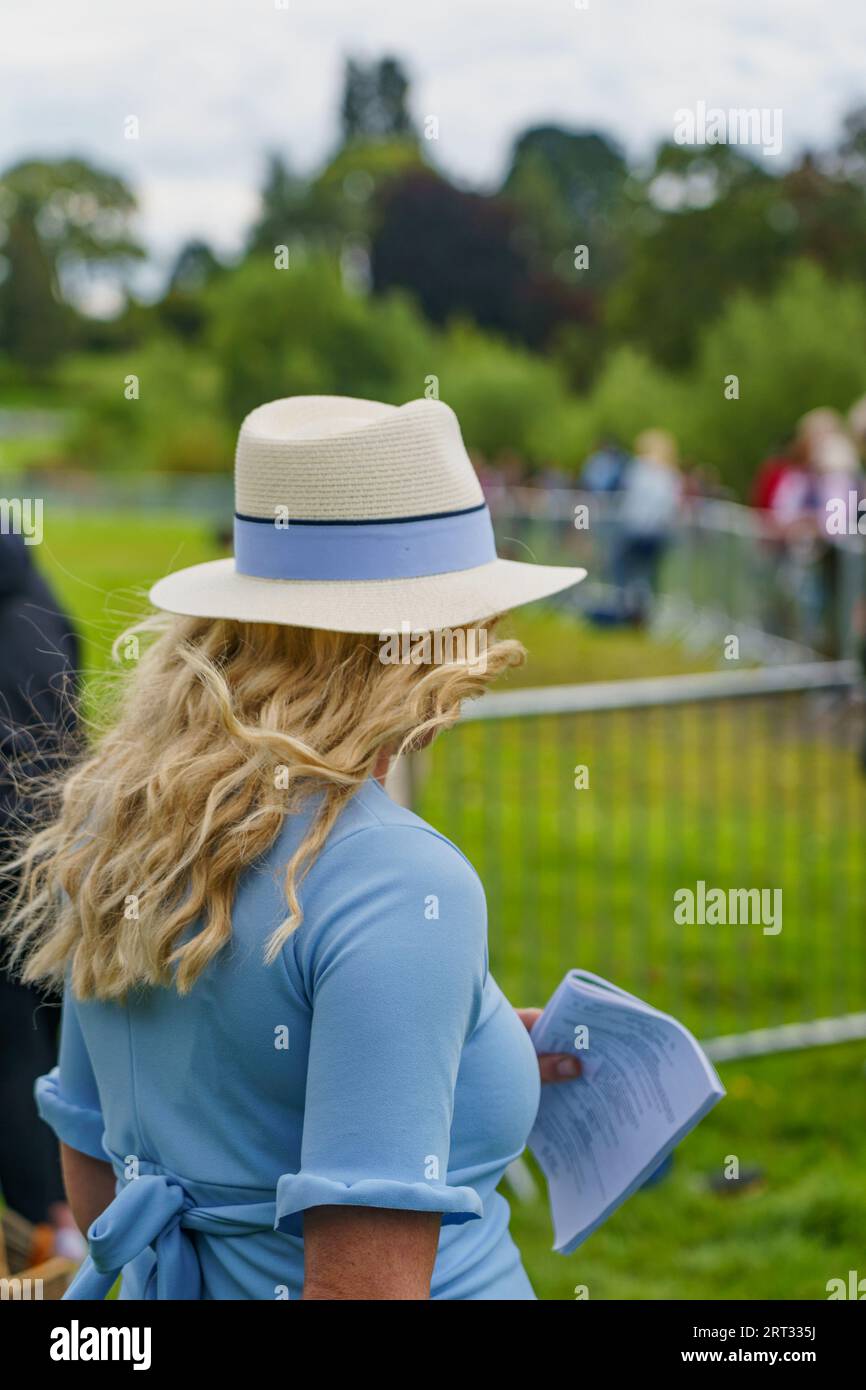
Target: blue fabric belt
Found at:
155, 1212
405, 548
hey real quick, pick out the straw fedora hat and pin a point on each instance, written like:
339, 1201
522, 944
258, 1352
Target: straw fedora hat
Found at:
355, 516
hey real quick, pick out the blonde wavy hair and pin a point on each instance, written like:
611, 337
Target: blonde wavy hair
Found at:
179, 794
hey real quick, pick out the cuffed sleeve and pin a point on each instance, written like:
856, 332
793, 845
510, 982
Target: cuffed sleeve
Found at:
297, 1192
67, 1098
395, 965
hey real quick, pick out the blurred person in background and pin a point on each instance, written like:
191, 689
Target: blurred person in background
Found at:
606, 467
857, 427
37, 722
828, 467
648, 517
786, 486
772, 477
837, 475
603, 474
782, 493
792, 491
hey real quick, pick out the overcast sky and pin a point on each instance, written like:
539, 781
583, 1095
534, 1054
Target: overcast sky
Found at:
216, 82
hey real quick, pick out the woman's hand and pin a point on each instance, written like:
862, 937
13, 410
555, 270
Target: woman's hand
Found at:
554, 1066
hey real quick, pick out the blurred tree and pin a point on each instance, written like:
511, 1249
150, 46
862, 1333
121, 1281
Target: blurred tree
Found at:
801, 346
499, 391
34, 328
569, 188
59, 221
294, 332
176, 425
827, 205
337, 210
712, 222
182, 308
195, 265
458, 254
282, 209
374, 102
346, 197
852, 144
695, 176
707, 224
82, 213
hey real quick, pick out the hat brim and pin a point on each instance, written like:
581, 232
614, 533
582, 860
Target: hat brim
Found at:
428, 604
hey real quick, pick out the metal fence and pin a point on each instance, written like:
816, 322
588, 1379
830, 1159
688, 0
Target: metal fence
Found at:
721, 574
587, 810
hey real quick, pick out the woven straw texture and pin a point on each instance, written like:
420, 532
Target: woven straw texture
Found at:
334, 458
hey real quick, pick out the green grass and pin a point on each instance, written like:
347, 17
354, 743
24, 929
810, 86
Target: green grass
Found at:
763, 795
102, 566
801, 1120
34, 450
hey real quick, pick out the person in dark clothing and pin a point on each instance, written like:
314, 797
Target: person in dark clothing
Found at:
38, 725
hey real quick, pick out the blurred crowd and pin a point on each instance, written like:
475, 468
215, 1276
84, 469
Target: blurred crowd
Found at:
646, 490
652, 491
808, 496
805, 504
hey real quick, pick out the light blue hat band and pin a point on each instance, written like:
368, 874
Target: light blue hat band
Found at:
403, 548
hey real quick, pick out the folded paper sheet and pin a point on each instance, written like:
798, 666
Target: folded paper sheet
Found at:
645, 1083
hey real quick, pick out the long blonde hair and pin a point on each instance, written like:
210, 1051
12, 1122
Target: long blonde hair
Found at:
182, 793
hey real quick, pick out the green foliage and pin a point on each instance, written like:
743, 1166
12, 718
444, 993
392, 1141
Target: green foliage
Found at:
174, 425
565, 436
704, 265
630, 394
344, 201
300, 332
633, 394
569, 188
686, 265
804, 345
499, 392
282, 207
34, 327
57, 219
83, 211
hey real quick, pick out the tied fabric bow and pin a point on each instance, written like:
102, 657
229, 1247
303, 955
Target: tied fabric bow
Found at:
155, 1212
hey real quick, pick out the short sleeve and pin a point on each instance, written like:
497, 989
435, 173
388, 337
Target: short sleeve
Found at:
393, 956
67, 1098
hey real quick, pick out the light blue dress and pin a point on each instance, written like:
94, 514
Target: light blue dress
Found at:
375, 1063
